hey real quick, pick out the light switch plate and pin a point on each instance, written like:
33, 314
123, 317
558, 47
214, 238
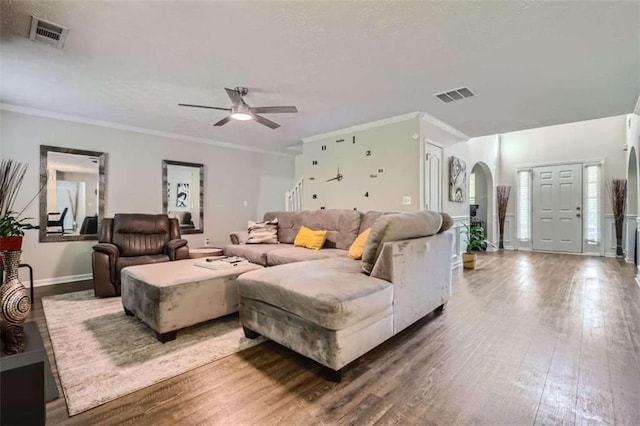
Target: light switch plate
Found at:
406, 200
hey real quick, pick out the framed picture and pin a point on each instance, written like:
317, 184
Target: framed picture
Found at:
182, 195
457, 180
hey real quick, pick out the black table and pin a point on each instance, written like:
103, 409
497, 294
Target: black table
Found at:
26, 382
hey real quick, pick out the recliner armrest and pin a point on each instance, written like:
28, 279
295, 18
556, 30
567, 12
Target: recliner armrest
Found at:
239, 237
111, 249
172, 249
113, 253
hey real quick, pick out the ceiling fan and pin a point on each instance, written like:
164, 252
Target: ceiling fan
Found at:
243, 112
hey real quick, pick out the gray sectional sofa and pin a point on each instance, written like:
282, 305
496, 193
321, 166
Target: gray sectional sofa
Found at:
331, 308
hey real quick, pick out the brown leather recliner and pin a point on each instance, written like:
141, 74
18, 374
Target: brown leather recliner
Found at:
133, 239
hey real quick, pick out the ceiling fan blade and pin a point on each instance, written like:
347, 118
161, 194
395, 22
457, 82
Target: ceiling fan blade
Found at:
274, 109
223, 121
266, 122
235, 96
204, 106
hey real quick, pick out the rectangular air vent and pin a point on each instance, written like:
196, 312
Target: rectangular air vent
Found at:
455, 95
48, 32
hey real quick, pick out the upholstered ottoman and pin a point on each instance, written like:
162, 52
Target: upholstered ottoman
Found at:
174, 295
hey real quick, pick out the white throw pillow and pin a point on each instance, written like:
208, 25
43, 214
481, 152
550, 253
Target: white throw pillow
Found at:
263, 232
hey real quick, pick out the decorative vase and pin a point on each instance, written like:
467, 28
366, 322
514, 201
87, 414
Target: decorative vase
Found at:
469, 260
619, 250
14, 304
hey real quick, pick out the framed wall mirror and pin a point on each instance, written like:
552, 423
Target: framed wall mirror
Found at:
73, 197
183, 194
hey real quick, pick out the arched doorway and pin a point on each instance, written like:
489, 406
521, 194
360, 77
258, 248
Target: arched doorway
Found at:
481, 195
632, 205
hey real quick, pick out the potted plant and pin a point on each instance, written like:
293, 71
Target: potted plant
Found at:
476, 241
11, 226
11, 232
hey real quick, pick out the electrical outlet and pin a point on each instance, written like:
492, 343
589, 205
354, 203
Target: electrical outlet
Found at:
406, 200
207, 242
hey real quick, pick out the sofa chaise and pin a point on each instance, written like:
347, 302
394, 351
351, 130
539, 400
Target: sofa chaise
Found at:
331, 308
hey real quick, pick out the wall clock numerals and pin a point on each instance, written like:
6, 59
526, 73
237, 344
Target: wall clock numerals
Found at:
323, 148
314, 196
353, 139
312, 178
340, 140
367, 153
366, 194
314, 163
373, 176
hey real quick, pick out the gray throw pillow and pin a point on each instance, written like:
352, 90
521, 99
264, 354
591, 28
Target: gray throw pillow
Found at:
263, 232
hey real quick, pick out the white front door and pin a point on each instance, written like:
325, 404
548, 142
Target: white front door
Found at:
556, 223
433, 176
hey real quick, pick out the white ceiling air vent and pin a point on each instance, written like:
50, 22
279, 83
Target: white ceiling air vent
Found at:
48, 32
455, 95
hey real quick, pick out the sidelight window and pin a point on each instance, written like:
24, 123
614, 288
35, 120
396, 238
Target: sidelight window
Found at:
524, 205
592, 204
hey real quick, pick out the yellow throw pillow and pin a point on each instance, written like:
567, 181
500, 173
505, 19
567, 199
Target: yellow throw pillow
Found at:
357, 248
310, 239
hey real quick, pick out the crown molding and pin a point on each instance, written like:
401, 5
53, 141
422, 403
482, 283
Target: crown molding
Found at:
360, 127
446, 127
111, 125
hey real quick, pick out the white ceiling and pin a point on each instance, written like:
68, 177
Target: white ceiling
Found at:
531, 64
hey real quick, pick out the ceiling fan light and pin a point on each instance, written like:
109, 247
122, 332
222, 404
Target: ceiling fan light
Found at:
242, 116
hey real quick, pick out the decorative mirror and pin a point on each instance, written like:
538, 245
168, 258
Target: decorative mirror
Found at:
73, 194
183, 194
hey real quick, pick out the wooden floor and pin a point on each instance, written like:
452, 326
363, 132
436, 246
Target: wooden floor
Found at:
526, 339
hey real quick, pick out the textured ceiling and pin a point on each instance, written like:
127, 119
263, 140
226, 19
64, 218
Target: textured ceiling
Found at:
531, 64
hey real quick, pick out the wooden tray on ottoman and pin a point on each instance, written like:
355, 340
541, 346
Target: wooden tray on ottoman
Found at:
200, 252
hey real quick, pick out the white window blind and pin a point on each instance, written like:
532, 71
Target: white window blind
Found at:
524, 204
592, 213
472, 188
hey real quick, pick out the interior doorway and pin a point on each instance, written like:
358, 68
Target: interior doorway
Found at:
632, 206
433, 177
481, 206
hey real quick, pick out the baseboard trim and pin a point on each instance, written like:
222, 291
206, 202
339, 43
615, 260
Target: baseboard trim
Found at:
61, 280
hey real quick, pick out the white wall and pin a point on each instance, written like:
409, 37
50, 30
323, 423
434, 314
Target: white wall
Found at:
394, 147
483, 150
603, 138
134, 182
299, 167
632, 221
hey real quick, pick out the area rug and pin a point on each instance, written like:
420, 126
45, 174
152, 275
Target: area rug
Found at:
102, 354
